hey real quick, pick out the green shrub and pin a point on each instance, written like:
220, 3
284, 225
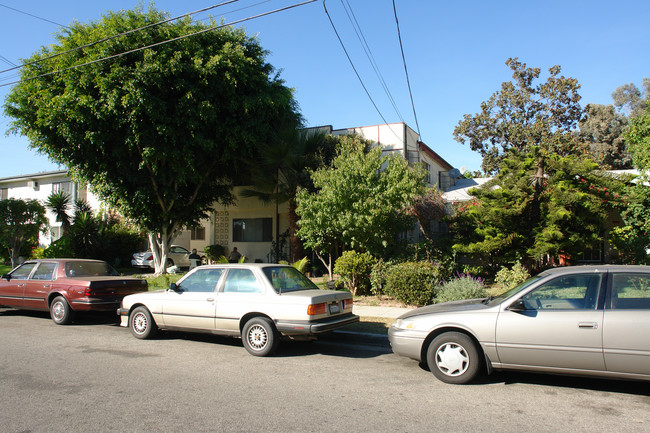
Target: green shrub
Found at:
413, 283
506, 278
354, 269
61, 248
378, 277
214, 252
461, 287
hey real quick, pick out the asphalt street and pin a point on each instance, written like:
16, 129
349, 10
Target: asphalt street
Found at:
93, 376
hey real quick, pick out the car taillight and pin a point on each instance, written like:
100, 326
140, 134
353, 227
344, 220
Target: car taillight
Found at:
149, 257
88, 292
315, 309
347, 303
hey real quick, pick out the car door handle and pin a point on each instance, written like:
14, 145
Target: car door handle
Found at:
210, 299
587, 325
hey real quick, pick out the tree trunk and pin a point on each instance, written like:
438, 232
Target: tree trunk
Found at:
296, 251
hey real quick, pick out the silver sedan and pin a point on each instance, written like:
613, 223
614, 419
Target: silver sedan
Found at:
583, 320
257, 302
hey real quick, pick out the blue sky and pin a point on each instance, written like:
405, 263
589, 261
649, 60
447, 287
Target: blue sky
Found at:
455, 53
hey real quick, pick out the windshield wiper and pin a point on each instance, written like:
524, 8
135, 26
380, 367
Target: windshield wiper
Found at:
487, 300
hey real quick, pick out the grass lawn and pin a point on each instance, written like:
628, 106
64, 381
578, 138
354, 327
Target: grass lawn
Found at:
4, 269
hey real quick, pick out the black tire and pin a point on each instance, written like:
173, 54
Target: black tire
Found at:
142, 324
260, 336
60, 311
453, 358
169, 264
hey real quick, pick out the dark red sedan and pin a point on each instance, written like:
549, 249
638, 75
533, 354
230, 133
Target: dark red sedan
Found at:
64, 286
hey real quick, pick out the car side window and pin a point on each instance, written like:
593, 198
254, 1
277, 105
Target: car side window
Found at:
631, 291
203, 280
569, 292
241, 281
22, 272
45, 271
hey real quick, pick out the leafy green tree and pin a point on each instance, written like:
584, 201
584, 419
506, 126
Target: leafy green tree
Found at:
523, 115
638, 138
59, 204
21, 221
357, 201
602, 128
630, 100
514, 219
160, 134
632, 238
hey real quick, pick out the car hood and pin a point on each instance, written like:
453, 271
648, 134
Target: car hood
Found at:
447, 307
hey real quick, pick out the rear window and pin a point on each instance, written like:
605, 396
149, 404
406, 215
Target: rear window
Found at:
288, 279
89, 269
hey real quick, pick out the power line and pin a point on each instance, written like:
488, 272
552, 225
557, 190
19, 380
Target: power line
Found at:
355, 69
33, 16
408, 81
370, 56
165, 41
7, 61
120, 35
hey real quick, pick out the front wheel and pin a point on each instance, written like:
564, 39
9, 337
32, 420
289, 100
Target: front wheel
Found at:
453, 358
141, 323
60, 311
260, 336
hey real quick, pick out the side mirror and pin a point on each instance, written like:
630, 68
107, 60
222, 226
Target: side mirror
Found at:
518, 306
174, 287
6, 277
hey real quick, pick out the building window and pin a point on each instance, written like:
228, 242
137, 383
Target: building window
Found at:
4, 193
591, 255
427, 169
63, 187
197, 233
252, 230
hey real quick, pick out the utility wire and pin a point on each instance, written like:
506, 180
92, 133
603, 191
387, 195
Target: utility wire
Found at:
371, 57
120, 35
33, 16
408, 81
355, 69
7, 61
164, 42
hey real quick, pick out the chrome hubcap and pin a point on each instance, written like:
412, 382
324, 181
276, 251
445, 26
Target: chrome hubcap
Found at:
139, 323
452, 359
257, 337
58, 311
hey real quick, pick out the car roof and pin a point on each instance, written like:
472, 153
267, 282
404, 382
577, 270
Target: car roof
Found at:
245, 265
594, 268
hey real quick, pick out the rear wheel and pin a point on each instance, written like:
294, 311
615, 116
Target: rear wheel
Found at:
141, 323
60, 311
260, 336
453, 358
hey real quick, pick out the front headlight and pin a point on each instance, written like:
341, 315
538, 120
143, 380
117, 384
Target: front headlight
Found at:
404, 324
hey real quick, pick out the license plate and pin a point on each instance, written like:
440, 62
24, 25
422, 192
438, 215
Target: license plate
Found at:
334, 308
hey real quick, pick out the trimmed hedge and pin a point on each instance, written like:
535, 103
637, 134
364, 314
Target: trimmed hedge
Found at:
413, 283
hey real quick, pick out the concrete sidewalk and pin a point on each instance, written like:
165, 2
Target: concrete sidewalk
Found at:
385, 312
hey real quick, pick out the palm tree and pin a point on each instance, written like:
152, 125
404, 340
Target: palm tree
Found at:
282, 169
59, 203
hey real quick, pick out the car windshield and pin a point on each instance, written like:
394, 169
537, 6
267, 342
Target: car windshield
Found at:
509, 293
288, 279
89, 269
